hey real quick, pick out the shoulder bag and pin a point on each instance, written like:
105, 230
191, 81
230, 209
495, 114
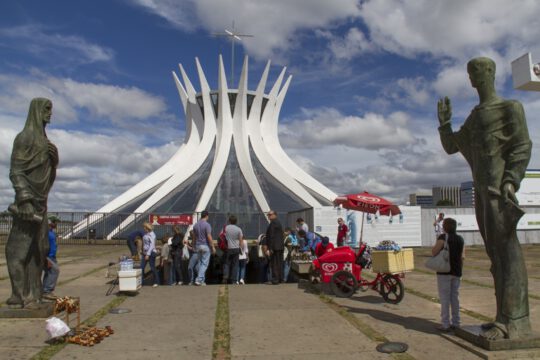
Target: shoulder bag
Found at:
440, 262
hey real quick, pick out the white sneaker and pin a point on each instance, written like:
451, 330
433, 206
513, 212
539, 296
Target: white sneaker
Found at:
236, 283
179, 283
155, 285
200, 284
242, 282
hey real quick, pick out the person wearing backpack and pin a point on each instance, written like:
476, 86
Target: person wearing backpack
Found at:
235, 241
177, 249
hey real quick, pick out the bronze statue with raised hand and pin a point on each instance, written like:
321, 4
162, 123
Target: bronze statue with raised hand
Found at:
495, 142
33, 169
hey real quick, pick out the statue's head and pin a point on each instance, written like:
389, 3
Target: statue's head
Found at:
39, 115
481, 71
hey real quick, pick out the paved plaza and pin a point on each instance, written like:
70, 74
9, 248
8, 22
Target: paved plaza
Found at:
260, 321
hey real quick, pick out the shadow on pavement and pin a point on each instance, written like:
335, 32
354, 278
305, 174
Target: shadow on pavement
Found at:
408, 322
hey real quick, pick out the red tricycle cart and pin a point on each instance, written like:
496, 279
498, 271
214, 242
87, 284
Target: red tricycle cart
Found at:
342, 269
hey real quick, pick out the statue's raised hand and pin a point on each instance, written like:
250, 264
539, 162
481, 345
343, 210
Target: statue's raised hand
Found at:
444, 111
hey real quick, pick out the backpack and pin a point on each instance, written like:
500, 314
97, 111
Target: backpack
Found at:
222, 242
294, 239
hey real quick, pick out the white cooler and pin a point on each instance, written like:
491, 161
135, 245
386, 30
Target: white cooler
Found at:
130, 280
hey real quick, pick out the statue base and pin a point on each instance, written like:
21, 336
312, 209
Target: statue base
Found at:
472, 334
44, 310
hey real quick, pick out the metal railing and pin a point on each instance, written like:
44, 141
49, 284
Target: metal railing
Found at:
79, 228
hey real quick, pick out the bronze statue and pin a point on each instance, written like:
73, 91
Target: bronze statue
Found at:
33, 169
495, 142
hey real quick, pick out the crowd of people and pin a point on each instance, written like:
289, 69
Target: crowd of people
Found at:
276, 249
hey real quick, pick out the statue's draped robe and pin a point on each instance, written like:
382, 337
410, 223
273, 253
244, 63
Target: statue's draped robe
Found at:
32, 173
495, 142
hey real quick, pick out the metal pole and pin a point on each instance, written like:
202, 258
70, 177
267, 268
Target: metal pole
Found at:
232, 62
362, 230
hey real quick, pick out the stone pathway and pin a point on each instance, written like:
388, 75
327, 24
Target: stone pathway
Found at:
262, 322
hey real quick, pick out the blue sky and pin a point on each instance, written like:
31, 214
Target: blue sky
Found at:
359, 115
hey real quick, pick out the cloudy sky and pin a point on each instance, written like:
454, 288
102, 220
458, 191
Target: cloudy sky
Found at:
360, 113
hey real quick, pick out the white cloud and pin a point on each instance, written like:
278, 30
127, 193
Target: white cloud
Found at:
414, 90
454, 29
93, 168
275, 24
327, 126
345, 48
69, 96
43, 42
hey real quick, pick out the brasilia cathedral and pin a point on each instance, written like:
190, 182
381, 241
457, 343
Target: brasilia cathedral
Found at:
231, 161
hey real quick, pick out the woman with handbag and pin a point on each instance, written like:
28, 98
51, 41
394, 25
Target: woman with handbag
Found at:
448, 282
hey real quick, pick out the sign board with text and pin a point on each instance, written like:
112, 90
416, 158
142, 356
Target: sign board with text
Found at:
182, 219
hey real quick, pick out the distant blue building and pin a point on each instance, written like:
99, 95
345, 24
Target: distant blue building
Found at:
421, 200
467, 193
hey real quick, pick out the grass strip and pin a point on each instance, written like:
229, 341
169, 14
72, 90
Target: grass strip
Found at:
436, 300
472, 282
364, 328
90, 272
52, 350
61, 263
221, 348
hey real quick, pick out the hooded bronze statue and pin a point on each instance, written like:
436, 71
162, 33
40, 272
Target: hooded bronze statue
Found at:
33, 169
495, 142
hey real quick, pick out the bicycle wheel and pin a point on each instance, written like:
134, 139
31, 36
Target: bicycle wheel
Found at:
392, 289
114, 283
343, 284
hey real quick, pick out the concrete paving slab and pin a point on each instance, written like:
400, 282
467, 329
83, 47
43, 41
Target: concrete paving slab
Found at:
175, 321
20, 339
412, 321
284, 322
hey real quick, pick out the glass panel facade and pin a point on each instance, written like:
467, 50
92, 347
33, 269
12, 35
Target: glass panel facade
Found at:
319, 198
279, 198
233, 196
184, 198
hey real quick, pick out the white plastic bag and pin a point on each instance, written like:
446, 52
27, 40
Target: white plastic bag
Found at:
185, 253
56, 327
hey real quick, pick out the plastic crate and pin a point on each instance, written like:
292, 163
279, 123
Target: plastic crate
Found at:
392, 261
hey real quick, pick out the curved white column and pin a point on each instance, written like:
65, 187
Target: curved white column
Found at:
269, 129
207, 131
264, 155
223, 142
187, 165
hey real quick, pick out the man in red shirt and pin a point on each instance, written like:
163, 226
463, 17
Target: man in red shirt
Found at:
342, 232
323, 247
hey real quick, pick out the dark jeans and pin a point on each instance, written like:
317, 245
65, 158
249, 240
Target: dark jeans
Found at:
132, 246
231, 265
276, 264
168, 276
152, 262
177, 266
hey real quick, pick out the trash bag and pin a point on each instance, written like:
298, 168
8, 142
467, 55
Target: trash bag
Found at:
56, 327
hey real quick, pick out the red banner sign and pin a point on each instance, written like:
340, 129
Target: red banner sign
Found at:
170, 219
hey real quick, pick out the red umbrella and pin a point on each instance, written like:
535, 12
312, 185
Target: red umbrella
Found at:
367, 202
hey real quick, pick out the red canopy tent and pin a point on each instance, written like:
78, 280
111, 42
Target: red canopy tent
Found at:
367, 203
